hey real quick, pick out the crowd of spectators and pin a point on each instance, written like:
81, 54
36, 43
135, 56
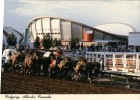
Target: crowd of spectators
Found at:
106, 47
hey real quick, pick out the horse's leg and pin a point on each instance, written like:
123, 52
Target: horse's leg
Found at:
25, 65
12, 66
41, 69
30, 69
77, 76
74, 75
49, 72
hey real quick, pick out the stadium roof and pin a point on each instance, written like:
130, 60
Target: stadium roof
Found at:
117, 28
84, 25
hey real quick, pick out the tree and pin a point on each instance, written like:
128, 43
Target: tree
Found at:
47, 41
56, 43
59, 43
37, 43
11, 40
73, 41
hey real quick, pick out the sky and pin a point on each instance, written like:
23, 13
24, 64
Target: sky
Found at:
18, 13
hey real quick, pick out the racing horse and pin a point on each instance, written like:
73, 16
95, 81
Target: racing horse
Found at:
31, 63
64, 67
85, 69
79, 69
92, 70
55, 65
53, 68
28, 64
16, 61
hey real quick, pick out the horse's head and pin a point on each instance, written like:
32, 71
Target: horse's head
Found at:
35, 56
18, 54
29, 60
83, 62
67, 60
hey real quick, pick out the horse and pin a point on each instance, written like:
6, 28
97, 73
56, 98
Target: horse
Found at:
92, 70
55, 65
79, 69
28, 64
16, 60
85, 69
36, 63
45, 61
64, 67
13, 60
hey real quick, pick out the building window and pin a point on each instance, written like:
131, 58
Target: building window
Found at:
107, 37
98, 35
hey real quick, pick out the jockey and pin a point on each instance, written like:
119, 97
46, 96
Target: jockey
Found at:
58, 55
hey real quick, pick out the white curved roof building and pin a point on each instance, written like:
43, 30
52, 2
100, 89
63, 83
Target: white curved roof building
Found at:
117, 28
64, 29
9, 30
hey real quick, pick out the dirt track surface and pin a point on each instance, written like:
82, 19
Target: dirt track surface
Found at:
14, 83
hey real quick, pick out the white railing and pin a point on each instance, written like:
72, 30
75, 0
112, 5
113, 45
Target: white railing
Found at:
116, 61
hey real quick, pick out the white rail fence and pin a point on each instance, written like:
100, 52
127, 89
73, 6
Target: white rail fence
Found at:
116, 61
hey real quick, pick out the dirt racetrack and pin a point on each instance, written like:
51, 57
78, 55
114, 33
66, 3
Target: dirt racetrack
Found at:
15, 83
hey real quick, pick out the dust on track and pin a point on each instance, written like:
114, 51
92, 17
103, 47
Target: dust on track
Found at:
15, 83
